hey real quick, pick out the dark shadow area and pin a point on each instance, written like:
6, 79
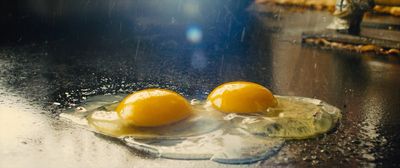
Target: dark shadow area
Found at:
72, 49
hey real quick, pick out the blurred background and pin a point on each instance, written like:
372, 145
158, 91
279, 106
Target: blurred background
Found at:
54, 54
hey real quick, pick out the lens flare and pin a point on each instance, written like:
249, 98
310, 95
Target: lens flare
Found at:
194, 34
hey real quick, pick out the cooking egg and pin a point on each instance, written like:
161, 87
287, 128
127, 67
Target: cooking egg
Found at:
153, 107
240, 122
241, 97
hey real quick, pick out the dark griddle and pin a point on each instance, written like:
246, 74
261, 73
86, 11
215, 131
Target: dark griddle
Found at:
70, 50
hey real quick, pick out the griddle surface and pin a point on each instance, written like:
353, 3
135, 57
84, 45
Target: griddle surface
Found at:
40, 78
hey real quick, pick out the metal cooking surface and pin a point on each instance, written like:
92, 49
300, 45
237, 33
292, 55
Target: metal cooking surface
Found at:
40, 78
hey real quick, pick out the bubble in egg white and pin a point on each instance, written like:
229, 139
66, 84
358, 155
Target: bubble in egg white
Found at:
212, 135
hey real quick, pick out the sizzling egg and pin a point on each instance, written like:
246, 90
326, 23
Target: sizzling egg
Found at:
241, 97
240, 122
153, 107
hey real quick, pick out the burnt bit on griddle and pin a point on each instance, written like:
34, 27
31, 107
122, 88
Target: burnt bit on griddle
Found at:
358, 48
361, 44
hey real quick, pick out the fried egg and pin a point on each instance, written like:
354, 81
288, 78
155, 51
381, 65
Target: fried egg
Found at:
240, 122
241, 97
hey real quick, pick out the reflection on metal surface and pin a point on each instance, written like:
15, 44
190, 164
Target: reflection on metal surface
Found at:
28, 138
373, 110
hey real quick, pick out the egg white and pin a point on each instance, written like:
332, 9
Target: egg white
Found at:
210, 134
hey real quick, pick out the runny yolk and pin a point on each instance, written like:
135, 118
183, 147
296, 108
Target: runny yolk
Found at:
241, 97
153, 107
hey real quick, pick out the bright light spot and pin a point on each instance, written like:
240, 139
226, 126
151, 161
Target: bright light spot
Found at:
194, 34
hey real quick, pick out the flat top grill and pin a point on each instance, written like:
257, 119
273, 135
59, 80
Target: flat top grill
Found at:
41, 77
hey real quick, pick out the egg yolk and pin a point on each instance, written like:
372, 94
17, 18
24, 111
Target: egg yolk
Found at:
153, 107
241, 97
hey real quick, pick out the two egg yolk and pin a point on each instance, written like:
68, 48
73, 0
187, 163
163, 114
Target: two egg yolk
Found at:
241, 97
157, 107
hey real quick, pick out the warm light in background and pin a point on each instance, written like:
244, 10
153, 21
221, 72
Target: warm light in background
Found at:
191, 8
